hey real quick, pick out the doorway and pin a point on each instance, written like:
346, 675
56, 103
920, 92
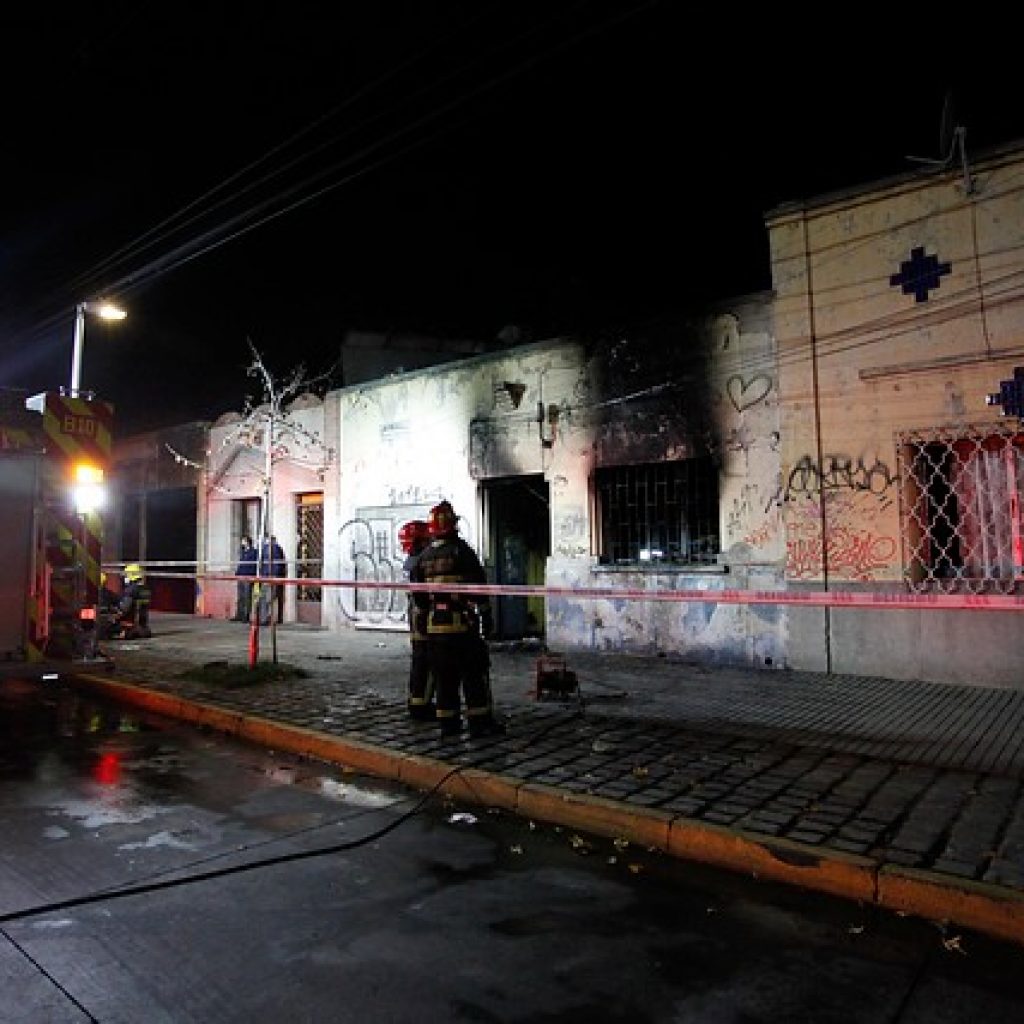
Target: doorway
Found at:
309, 531
517, 514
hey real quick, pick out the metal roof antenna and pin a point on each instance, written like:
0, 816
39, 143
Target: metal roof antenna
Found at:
952, 141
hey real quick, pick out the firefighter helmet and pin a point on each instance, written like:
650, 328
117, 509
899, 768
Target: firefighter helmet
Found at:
443, 521
412, 534
133, 572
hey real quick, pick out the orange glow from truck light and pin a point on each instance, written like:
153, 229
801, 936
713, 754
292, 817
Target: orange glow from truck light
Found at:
86, 473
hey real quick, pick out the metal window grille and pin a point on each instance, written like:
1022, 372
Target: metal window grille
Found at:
661, 512
310, 544
962, 496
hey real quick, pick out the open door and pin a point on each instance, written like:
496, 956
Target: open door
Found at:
519, 534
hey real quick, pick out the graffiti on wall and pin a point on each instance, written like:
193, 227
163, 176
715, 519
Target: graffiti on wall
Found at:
746, 392
840, 472
847, 497
369, 551
749, 431
570, 532
856, 545
406, 496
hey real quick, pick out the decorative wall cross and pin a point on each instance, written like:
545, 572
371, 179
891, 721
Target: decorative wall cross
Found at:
920, 274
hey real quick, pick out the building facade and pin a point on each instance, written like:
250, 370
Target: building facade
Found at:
832, 434
898, 310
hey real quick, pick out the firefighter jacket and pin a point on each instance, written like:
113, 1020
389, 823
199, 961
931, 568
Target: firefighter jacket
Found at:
450, 560
417, 615
134, 604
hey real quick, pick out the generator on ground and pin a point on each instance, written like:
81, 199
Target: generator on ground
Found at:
54, 457
555, 679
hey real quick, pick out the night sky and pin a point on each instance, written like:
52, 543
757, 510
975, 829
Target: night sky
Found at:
241, 172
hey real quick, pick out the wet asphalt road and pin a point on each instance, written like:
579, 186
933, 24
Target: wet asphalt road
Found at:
150, 872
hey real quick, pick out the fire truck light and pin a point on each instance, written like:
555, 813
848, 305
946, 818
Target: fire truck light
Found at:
86, 473
89, 493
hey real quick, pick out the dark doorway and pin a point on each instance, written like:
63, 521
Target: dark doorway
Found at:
518, 519
171, 539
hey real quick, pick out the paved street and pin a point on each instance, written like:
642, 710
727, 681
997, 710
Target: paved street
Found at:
910, 795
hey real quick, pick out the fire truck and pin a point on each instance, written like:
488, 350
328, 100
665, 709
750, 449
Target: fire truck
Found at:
54, 454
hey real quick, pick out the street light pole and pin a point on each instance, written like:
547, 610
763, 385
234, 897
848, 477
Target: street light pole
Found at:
76, 352
106, 310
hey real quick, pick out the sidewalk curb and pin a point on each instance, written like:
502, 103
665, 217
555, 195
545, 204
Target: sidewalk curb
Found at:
781, 860
992, 910
986, 908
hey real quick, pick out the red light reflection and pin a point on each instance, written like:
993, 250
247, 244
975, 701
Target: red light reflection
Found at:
107, 770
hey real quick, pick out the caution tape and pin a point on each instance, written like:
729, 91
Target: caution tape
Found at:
813, 598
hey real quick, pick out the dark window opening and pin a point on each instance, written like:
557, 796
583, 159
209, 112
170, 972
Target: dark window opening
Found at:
665, 512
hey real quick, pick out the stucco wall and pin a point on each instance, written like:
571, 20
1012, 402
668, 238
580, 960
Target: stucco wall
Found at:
408, 441
727, 363
862, 360
547, 408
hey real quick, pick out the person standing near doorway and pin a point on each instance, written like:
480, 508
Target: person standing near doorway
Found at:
246, 567
458, 625
272, 563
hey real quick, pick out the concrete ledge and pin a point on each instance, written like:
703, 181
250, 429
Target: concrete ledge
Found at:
831, 871
990, 909
639, 825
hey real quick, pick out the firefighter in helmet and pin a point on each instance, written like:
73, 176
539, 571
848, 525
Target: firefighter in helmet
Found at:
457, 626
133, 608
414, 536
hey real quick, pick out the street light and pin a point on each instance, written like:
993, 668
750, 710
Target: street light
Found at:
101, 308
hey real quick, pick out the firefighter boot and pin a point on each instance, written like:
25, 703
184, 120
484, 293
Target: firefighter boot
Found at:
422, 710
451, 723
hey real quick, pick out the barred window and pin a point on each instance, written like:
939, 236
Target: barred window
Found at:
661, 512
962, 502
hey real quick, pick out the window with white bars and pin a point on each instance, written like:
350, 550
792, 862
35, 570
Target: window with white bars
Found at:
663, 512
962, 495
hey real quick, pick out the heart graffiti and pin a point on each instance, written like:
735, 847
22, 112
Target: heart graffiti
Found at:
745, 393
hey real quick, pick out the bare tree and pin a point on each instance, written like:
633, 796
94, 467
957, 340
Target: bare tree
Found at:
269, 425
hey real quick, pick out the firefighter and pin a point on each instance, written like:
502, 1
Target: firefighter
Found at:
457, 625
414, 537
133, 608
108, 599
